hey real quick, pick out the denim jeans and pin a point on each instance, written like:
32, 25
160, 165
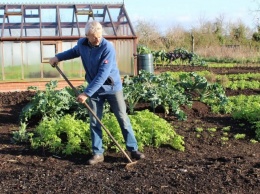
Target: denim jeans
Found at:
118, 106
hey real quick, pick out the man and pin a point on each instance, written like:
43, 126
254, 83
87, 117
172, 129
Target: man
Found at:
104, 83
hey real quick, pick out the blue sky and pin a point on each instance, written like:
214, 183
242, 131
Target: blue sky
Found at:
186, 13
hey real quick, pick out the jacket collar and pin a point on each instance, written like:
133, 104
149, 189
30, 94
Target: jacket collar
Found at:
87, 43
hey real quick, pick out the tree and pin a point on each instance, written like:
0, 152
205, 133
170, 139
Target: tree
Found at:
175, 37
148, 34
238, 33
256, 35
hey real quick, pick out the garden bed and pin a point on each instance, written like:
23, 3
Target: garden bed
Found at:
206, 166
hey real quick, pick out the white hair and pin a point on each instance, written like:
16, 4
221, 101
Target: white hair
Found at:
93, 27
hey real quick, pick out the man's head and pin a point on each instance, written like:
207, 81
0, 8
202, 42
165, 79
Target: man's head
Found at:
93, 31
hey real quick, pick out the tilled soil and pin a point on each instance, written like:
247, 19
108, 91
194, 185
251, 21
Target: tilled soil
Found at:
206, 166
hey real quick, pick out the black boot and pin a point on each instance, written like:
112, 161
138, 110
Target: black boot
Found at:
137, 155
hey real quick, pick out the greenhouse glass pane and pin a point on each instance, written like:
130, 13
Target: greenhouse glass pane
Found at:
72, 68
32, 63
12, 61
49, 71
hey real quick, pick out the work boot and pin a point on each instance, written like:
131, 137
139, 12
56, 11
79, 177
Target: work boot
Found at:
137, 155
96, 159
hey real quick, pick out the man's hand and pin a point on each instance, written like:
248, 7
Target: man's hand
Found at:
82, 97
53, 61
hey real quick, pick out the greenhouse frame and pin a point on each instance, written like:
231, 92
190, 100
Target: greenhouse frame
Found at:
30, 34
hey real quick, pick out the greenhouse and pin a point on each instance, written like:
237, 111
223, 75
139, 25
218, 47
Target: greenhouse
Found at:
30, 34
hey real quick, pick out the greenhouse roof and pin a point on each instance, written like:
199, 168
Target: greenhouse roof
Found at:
61, 21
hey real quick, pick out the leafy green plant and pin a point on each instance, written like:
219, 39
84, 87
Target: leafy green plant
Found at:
152, 130
172, 96
225, 134
199, 129
164, 90
141, 49
239, 136
226, 129
257, 129
224, 138
66, 135
212, 129
196, 85
52, 103
181, 54
135, 88
253, 141
159, 56
21, 136
158, 90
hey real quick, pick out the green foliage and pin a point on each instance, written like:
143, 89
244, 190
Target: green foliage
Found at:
199, 129
159, 56
244, 76
21, 136
213, 129
181, 55
226, 129
236, 103
69, 135
135, 88
243, 107
152, 130
62, 136
170, 96
224, 138
141, 49
197, 85
52, 103
243, 84
257, 129
256, 36
239, 136
164, 90
249, 112
225, 134
253, 141
158, 90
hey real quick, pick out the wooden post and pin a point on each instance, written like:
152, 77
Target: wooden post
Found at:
192, 43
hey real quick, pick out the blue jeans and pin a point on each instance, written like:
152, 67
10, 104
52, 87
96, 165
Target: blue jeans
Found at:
118, 106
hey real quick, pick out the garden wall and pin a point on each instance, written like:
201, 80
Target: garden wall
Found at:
22, 86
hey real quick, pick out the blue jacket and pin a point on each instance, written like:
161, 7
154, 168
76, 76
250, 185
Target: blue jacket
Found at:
102, 73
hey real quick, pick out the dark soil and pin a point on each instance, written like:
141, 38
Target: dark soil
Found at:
206, 166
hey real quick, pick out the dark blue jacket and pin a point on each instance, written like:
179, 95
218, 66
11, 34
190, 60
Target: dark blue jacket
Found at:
102, 73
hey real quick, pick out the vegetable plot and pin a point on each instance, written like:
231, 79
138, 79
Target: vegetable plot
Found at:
63, 123
220, 152
165, 91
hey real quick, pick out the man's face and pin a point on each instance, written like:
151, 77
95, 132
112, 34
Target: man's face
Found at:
95, 39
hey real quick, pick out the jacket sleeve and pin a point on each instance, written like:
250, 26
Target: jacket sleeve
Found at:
69, 54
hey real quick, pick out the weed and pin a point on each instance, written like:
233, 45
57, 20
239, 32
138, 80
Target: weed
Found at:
213, 129
240, 136
224, 138
253, 141
226, 129
225, 134
199, 129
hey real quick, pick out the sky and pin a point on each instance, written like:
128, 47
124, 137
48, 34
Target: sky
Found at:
189, 13
185, 13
